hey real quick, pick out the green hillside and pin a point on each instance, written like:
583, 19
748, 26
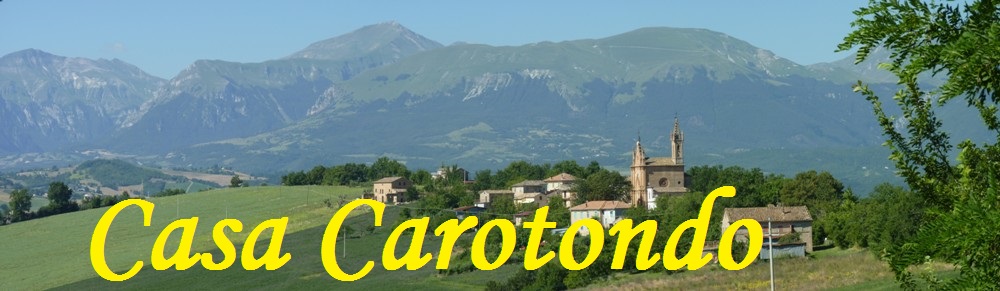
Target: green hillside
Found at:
635, 57
58, 247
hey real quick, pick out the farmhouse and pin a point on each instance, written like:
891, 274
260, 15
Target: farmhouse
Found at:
390, 190
606, 212
786, 221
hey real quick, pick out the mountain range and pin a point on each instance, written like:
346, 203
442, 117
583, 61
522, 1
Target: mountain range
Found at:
384, 90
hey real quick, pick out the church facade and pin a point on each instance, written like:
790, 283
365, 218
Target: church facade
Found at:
654, 176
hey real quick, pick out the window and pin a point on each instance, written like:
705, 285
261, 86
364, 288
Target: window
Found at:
663, 182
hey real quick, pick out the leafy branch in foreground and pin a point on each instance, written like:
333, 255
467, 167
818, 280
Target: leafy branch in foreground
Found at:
961, 41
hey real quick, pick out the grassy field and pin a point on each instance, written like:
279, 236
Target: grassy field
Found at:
53, 252
830, 269
58, 247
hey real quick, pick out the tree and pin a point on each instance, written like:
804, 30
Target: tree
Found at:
503, 205
385, 167
602, 185
421, 177
818, 191
59, 193
962, 42
484, 180
558, 212
411, 194
236, 182
569, 167
4, 210
20, 205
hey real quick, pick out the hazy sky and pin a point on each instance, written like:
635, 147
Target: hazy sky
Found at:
164, 37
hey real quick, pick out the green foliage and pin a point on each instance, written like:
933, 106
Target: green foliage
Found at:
754, 188
966, 236
602, 185
794, 237
235, 182
558, 212
169, 192
20, 205
59, 195
886, 218
818, 191
421, 177
504, 205
347, 174
91, 202
411, 194
117, 173
569, 167
962, 41
385, 167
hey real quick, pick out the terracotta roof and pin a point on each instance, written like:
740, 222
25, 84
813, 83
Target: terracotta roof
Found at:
498, 192
388, 180
528, 183
660, 161
467, 208
562, 177
775, 213
601, 205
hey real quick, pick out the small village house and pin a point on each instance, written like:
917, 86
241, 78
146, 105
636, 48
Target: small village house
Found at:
606, 212
528, 191
488, 196
785, 221
561, 185
390, 190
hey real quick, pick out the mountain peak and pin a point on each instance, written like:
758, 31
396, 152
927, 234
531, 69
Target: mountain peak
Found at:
390, 39
28, 54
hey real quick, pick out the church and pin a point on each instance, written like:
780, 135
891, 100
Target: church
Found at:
654, 176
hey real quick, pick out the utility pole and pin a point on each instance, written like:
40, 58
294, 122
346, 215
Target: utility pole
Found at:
770, 251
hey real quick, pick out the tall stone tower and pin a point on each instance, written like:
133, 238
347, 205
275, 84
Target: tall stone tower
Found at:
639, 177
677, 144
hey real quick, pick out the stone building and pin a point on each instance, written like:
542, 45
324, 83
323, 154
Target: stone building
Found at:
653, 176
785, 220
390, 190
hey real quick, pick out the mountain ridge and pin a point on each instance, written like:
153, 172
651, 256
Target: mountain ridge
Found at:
49, 101
481, 105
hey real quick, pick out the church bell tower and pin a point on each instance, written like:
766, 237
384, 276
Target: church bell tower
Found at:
677, 144
639, 177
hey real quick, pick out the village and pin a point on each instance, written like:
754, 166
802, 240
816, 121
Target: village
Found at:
787, 230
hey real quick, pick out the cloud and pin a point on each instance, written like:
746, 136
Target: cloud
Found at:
117, 47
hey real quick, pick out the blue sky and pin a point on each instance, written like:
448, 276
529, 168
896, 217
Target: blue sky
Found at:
164, 37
